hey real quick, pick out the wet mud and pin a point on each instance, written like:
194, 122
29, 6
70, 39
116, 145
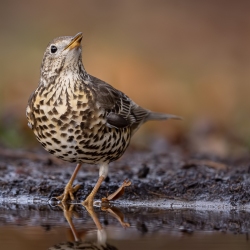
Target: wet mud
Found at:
162, 172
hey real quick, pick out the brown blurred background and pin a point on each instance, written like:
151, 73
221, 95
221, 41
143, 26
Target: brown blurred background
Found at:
185, 57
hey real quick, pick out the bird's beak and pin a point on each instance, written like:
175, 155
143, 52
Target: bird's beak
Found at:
76, 42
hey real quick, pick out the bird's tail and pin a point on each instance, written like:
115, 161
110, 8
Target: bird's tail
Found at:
160, 116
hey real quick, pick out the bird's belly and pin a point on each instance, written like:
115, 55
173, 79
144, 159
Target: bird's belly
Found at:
80, 138
87, 147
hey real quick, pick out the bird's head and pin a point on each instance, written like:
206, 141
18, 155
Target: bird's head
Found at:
62, 54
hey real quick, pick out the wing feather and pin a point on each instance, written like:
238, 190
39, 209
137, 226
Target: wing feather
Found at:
121, 110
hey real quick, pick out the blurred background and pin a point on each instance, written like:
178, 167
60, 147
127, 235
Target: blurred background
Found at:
185, 57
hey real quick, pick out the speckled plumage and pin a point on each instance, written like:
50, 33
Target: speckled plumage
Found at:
82, 245
69, 122
78, 117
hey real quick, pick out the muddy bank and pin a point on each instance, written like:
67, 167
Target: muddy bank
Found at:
158, 172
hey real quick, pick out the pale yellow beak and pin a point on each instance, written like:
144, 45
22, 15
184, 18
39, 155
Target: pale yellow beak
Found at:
76, 42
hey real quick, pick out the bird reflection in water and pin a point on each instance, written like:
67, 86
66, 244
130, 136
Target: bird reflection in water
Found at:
78, 236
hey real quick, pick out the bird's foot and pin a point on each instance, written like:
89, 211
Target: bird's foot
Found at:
69, 191
117, 194
89, 201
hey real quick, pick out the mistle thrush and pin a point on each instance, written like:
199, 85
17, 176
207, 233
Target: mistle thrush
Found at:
80, 118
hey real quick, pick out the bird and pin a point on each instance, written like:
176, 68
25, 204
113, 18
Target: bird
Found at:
88, 245
80, 118
79, 239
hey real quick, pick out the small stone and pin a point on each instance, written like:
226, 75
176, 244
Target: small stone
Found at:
143, 172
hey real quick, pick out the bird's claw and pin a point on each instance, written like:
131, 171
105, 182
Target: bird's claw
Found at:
68, 192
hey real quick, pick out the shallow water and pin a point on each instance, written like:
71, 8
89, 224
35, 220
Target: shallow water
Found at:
38, 227
14, 237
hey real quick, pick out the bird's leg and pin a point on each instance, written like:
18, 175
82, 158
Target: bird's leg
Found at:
93, 215
101, 233
68, 212
90, 199
103, 172
117, 213
69, 190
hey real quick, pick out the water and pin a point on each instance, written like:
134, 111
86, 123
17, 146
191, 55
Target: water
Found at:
24, 226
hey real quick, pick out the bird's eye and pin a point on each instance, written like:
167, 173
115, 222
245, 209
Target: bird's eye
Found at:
53, 49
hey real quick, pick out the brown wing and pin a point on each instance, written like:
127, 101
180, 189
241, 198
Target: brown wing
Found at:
121, 110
